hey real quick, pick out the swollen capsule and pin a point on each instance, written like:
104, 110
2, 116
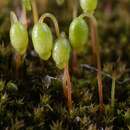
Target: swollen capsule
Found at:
88, 5
78, 34
61, 52
42, 40
19, 37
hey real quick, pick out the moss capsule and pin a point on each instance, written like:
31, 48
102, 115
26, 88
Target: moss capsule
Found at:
42, 40
88, 5
61, 52
78, 34
19, 37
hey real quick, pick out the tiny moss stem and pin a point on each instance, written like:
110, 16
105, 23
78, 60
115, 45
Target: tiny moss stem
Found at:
74, 61
35, 11
18, 60
67, 88
74, 54
113, 92
96, 56
24, 16
55, 22
75, 9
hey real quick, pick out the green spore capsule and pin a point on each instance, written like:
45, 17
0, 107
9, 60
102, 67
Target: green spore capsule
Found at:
42, 40
88, 6
19, 37
61, 52
78, 34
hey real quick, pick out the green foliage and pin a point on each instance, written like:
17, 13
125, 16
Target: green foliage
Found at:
56, 126
2, 85
127, 117
11, 86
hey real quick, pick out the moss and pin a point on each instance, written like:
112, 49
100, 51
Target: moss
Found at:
35, 100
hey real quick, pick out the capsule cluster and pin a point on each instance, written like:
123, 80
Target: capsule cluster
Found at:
42, 37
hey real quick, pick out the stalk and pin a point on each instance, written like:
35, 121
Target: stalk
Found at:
54, 20
74, 61
24, 16
96, 55
74, 53
67, 87
75, 9
18, 61
35, 11
113, 92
